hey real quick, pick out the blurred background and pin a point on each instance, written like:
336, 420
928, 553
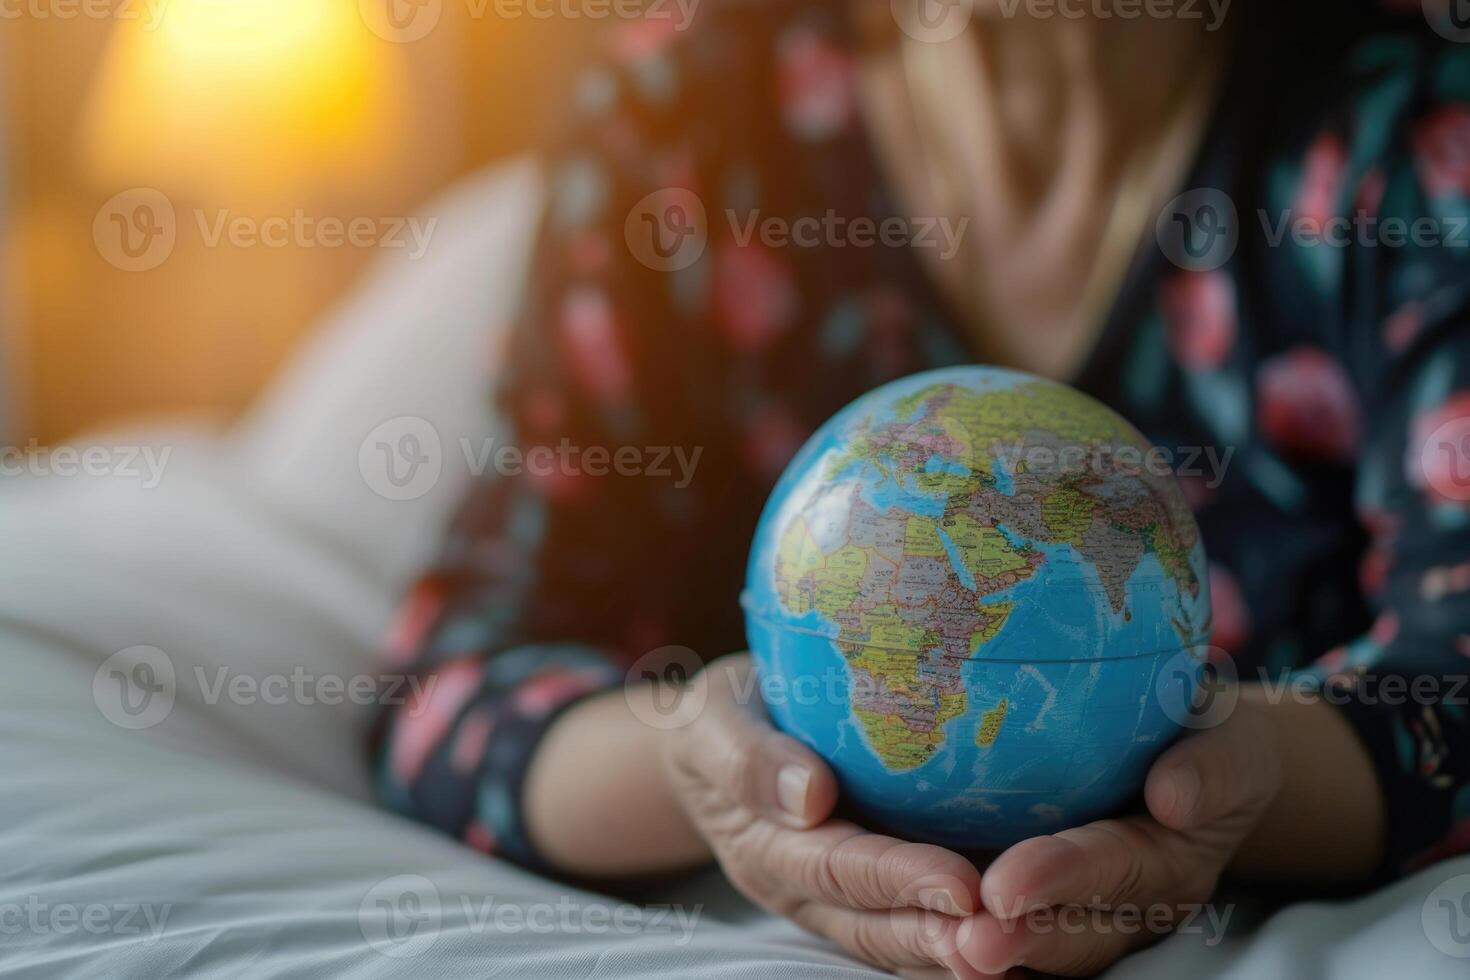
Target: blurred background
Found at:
188, 184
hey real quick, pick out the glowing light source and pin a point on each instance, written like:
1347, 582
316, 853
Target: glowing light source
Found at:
254, 96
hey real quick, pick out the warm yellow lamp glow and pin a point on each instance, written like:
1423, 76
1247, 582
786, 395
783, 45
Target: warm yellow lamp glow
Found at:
246, 97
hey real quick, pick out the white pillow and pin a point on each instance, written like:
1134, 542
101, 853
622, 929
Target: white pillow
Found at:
408, 354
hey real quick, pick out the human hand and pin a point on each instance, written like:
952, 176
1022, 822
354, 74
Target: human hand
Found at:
1204, 797
763, 801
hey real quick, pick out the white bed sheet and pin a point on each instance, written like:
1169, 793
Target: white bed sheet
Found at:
239, 839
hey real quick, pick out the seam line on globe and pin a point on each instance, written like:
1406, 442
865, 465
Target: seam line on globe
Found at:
1166, 651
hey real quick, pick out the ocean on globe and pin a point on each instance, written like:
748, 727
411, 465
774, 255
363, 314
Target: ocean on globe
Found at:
983, 601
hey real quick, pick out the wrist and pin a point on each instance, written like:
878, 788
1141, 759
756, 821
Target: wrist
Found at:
1325, 820
597, 801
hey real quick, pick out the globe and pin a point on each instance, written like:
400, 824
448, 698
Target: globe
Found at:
982, 598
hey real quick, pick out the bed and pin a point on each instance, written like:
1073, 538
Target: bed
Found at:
226, 828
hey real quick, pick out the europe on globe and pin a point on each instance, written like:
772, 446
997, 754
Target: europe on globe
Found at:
980, 597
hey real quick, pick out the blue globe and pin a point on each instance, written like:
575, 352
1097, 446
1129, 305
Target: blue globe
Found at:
981, 598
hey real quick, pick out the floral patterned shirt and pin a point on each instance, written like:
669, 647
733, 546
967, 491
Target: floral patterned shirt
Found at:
1323, 366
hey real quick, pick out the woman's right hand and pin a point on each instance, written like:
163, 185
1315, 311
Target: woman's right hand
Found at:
763, 802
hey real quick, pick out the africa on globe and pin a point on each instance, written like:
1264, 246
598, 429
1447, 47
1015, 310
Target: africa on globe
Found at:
973, 594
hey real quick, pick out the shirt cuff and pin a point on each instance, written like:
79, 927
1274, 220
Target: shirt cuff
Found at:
471, 785
1421, 777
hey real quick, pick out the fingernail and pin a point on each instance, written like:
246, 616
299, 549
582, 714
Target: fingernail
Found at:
965, 930
791, 786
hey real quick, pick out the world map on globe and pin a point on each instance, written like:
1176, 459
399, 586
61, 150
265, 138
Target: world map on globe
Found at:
967, 592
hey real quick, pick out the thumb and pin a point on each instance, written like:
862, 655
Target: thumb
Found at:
734, 747
1214, 774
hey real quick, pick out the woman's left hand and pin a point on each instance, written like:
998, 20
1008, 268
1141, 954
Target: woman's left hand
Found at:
1074, 902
